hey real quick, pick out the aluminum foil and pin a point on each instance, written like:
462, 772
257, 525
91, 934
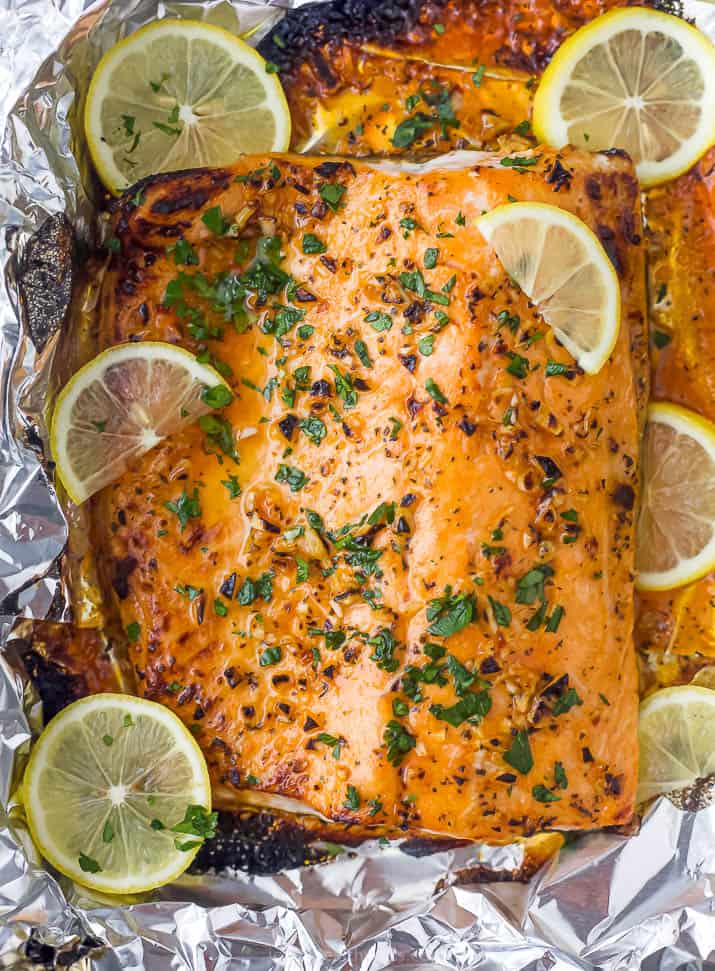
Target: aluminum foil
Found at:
606, 901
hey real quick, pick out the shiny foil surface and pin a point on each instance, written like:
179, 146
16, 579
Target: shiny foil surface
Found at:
610, 901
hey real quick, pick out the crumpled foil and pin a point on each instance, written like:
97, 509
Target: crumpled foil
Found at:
606, 901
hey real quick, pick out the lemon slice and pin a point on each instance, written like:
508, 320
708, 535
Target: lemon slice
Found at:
117, 794
180, 94
676, 732
635, 79
121, 404
675, 542
562, 267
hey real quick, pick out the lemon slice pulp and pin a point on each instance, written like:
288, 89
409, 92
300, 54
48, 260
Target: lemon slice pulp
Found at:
117, 794
562, 267
121, 404
676, 732
635, 79
180, 94
675, 540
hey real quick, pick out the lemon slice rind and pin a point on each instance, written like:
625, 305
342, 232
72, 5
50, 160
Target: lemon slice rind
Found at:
551, 127
113, 440
62, 803
209, 136
529, 274
702, 432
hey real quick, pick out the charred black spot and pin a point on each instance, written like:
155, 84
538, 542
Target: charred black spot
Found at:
608, 240
123, 569
304, 31
45, 278
489, 665
593, 188
624, 496
328, 169
304, 296
548, 467
69, 955
466, 426
57, 688
192, 199
559, 177
287, 426
228, 586
256, 843
320, 389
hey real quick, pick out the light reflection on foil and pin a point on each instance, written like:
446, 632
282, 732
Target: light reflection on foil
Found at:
608, 901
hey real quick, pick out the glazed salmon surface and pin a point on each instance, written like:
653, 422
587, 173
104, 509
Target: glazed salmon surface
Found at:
393, 578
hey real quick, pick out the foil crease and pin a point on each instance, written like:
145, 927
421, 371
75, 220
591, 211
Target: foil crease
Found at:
608, 900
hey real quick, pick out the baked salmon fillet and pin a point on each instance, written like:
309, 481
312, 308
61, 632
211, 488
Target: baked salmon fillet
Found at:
391, 583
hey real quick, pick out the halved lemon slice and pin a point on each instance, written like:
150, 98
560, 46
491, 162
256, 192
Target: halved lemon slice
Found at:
121, 404
636, 79
563, 268
117, 794
676, 732
675, 542
180, 94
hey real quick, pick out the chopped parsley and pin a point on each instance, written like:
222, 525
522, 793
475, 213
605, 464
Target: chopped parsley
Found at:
232, 485
554, 368
566, 702
133, 631
270, 656
186, 507
384, 646
518, 755
519, 161
311, 244
434, 392
184, 253
502, 614
219, 433
332, 193
472, 707
251, 590
411, 129
542, 794
217, 397
198, 822
344, 387
560, 778
314, 428
530, 586
188, 591
363, 353
334, 743
88, 865
398, 741
430, 258
214, 220
450, 613
352, 798
378, 321
295, 478
518, 365
426, 345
